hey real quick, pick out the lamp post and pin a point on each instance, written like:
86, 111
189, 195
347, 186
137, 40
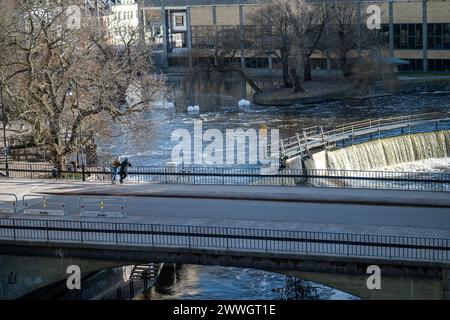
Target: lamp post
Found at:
4, 130
79, 144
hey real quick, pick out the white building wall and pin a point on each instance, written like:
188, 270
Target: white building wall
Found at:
123, 18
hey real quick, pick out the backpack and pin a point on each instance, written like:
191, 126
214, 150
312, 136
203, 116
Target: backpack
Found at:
116, 163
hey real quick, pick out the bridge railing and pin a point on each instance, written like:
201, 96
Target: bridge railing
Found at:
313, 136
425, 181
229, 239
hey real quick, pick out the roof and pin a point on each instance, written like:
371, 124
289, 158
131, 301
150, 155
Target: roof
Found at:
391, 60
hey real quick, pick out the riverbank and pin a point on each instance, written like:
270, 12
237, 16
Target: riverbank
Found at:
317, 91
339, 89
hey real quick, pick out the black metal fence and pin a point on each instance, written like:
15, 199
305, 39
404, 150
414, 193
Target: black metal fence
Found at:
222, 238
427, 181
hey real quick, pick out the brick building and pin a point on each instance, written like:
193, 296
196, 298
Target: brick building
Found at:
416, 30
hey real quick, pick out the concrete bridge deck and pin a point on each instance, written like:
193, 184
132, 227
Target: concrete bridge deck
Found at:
181, 211
408, 213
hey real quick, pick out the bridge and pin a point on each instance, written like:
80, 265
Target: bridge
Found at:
239, 217
329, 239
360, 131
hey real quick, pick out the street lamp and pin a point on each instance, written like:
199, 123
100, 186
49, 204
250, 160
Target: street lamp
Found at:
80, 143
4, 129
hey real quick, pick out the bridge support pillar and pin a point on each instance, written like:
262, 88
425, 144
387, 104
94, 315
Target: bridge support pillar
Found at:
20, 275
446, 280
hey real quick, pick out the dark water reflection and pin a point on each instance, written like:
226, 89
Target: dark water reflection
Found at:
218, 102
194, 282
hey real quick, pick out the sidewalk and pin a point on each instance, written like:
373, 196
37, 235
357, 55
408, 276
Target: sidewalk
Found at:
293, 208
232, 192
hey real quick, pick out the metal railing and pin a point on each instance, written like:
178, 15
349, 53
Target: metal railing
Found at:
223, 238
316, 136
9, 206
425, 181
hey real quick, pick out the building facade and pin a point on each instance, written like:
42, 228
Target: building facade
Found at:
414, 30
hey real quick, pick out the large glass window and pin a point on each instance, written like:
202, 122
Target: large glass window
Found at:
408, 36
257, 63
414, 65
439, 65
202, 37
439, 36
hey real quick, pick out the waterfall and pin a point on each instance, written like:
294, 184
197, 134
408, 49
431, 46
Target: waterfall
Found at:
390, 151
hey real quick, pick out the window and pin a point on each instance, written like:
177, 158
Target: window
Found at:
318, 63
257, 63
179, 21
379, 37
408, 36
178, 62
439, 65
202, 37
439, 36
414, 65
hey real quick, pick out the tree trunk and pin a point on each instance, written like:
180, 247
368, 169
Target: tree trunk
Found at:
285, 65
307, 76
346, 68
296, 79
249, 81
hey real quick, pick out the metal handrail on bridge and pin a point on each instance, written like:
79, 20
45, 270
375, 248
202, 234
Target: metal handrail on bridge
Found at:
226, 238
13, 204
316, 136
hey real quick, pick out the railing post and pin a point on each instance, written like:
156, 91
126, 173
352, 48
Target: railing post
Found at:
189, 236
81, 231
152, 232
227, 238
14, 228
117, 233
267, 241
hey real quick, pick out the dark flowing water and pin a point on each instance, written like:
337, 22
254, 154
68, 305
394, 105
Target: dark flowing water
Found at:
193, 282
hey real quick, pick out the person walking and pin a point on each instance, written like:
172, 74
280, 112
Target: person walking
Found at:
114, 170
124, 170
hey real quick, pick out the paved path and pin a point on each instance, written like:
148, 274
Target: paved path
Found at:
288, 208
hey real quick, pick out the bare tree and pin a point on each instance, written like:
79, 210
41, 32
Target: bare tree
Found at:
344, 32
60, 80
308, 20
276, 18
220, 53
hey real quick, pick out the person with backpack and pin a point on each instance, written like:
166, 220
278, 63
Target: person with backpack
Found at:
114, 170
124, 170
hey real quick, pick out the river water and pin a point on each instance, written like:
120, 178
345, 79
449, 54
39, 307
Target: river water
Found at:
219, 109
193, 282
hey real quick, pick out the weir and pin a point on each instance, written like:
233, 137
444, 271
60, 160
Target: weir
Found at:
384, 152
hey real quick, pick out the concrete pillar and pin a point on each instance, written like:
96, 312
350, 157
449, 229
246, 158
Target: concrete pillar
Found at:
425, 34
214, 19
189, 35
360, 27
165, 36
391, 28
241, 30
446, 280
